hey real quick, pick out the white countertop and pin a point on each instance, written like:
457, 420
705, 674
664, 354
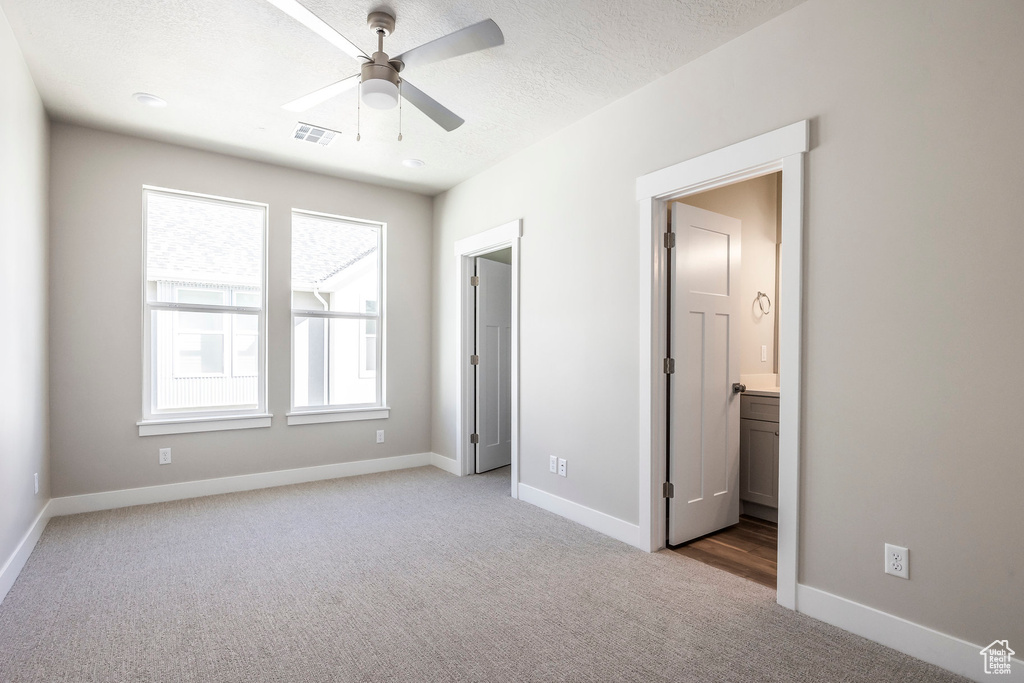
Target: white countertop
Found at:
761, 385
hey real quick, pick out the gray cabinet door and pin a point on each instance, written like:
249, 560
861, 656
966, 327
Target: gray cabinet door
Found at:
759, 462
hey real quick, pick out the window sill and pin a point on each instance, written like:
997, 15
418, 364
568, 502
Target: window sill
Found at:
202, 424
338, 415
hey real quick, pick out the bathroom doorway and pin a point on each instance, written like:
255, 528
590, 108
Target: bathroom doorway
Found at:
715, 516
782, 149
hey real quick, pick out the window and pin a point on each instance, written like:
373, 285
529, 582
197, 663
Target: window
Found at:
204, 310
337, 345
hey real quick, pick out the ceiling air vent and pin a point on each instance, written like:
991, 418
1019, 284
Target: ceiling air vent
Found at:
316, 134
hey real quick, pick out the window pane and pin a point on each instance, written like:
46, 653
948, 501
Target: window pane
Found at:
246, 323
200, 296
198, 354
246, 349
334, 264
370, 358
200, 322
326, 363
202, 244
190, 366
247, 299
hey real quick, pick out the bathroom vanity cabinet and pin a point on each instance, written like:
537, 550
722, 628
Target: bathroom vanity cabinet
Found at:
759, 455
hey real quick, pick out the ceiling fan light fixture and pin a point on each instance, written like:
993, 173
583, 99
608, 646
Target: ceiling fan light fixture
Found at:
380, 93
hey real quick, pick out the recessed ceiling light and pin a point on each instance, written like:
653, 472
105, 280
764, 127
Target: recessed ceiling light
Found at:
149, 100
413, 163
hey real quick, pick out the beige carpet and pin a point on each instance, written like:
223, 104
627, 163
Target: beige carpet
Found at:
405, 576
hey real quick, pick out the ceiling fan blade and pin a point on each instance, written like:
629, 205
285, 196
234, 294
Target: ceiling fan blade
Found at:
317, 25
470, 39
322, 95
437, 112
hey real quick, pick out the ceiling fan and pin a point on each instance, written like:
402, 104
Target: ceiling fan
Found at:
379, 75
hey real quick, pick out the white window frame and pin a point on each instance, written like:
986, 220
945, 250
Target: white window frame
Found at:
156, 422
347, 412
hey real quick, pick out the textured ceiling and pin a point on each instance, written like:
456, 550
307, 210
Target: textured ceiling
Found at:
225, 67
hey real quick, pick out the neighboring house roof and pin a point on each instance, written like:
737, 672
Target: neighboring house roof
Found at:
188, 239
321, 249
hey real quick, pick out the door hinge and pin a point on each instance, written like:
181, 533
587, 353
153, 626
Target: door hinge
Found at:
670, 366
670, 240
668, 490
474, 438
474, 360
474, 281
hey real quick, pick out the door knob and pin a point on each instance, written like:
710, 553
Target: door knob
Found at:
738, 388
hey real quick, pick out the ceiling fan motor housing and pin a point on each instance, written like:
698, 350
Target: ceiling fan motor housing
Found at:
379, 77
380, 82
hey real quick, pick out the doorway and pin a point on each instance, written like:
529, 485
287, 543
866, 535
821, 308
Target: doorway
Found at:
492, 367
723, 422
492, 242
779, 150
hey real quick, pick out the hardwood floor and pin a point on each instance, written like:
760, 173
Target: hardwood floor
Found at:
748, 549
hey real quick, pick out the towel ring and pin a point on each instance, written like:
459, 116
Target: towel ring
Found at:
761, 298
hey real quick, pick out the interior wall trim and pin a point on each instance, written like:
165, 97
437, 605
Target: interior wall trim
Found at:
783, 150
618, 529
449, 465
14, 564
928, 645
108, 500
465, 251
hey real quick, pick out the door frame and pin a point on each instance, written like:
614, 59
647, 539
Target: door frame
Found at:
779, 150
466, 250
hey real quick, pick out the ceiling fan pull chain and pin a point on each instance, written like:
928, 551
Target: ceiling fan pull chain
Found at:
399, 110
359, 99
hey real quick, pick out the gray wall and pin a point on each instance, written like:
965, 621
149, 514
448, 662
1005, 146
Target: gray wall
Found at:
96, 304
23, 158
913, 283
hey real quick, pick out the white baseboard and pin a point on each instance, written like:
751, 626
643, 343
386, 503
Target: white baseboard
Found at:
447, 464
108, 500
588, 517
918, 641
12, 567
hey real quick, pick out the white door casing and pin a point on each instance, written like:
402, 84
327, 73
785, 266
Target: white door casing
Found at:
493, 373
704, 417
782, 149
465, 252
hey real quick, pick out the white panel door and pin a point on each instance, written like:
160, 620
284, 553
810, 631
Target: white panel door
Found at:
494, 373
704, 417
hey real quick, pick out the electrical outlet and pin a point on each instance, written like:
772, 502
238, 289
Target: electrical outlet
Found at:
764, 353
380, 436
35, 477
552, 464
165, 456
897, 561
561, 467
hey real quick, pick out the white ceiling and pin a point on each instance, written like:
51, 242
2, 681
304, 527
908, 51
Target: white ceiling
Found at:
226, 66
